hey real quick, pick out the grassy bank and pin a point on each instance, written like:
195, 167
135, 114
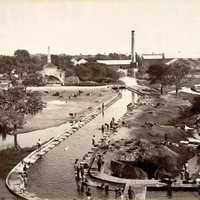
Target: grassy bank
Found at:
11, 157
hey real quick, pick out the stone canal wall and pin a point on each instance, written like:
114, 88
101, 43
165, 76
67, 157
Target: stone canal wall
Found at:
16, 183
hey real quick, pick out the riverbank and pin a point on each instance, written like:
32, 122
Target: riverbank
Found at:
149, 124
147, 136
61, 102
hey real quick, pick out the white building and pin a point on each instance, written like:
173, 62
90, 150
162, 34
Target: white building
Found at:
53, 73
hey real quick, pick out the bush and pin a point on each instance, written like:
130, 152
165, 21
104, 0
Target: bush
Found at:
33, 79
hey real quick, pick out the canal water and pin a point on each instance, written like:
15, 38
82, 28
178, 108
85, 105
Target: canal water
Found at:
53, 176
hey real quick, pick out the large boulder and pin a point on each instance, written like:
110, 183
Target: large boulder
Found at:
125, 170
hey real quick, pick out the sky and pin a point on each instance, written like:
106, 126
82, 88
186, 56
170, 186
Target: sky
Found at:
100, 26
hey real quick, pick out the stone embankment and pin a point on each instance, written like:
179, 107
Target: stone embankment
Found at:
16, 182
96, 178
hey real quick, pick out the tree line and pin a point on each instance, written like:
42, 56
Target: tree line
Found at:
28, 67
166, 75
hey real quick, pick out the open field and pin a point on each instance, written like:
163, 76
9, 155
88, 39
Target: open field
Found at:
61, 101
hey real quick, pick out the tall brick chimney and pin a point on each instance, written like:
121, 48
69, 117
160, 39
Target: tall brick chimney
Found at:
132, 47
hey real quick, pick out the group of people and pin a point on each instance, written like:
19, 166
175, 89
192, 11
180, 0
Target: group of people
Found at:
23, 175
118, 192
107, 127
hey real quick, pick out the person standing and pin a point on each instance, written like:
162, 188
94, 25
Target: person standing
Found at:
102, 107
102, 129
93, 140
82, 172
106, 190
130, 193
99, 163
78, 173
38, 144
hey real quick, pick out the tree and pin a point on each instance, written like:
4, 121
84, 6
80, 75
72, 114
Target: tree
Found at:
22, 55
15, 103
159, 74
33, 79
177, 71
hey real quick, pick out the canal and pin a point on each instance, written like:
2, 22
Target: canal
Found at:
53, 176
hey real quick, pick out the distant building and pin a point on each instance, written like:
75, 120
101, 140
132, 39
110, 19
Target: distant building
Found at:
78, 62
116, 63
152, 59
51, 73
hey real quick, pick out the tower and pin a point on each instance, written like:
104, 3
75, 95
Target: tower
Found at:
49, 56
132, 46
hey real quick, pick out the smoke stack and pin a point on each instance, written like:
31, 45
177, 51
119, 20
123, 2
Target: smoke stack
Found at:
49, 56
132, 46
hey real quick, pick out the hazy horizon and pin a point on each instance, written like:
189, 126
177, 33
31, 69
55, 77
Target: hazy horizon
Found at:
100, 26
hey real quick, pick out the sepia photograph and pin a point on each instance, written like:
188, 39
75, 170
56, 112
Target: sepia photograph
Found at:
99, 99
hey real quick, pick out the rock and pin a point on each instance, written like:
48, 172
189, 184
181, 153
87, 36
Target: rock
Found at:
125, 170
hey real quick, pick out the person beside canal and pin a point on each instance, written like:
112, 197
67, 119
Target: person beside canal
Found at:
39, 144
107, 126
102, 129
130, 193
102, 108
93, 140
99, 163
78, 173
106, 190
76, 164
82, 172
